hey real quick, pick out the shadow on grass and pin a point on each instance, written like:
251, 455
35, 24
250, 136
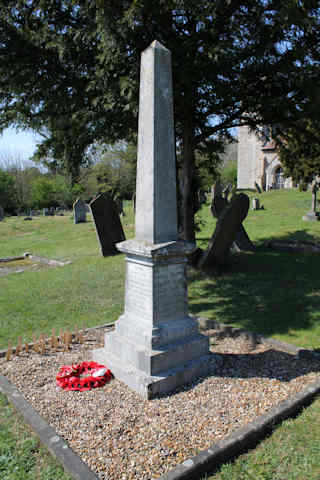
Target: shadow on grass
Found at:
265, 291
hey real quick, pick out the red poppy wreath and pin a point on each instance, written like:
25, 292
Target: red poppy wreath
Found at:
82, 377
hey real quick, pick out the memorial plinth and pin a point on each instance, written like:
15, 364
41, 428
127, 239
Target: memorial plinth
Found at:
156, 346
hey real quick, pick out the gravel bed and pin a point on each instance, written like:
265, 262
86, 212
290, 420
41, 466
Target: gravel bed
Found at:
122, 436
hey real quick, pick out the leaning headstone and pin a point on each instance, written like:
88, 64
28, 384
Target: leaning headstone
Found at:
242, 242
107, 222
255, 204
225, 233
1, 213
79, 211
119, 203
313, 215
216, 190
257, 187
218, 204
156, 347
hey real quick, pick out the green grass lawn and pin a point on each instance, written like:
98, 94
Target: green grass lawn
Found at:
21, 455
276, 294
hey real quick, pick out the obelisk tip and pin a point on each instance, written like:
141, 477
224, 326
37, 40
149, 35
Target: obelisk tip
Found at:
156, 44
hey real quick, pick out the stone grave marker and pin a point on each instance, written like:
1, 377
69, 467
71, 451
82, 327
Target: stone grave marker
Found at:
107, 222
257, 187
242, 241
228, 225
1, 213
156, 346
79, 211
313, 216
255, 204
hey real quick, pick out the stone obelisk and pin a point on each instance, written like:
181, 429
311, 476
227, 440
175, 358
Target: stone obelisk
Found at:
156, 346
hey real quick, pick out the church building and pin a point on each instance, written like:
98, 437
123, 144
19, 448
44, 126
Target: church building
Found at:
258, 161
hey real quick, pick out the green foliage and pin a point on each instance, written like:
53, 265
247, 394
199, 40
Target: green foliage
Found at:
70, 70
114, 171
229, 173
7, 191
52, 191
300, 152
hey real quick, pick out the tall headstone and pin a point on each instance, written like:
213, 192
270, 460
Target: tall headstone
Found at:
107, 222
1, 213
156, 347
313, 215
79, 211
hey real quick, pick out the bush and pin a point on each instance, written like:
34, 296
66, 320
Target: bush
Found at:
229, 173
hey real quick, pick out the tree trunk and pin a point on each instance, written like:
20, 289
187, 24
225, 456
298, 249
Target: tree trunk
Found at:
187, 193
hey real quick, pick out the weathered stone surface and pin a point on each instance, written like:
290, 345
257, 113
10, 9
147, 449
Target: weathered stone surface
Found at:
156, 202
255, 204
79, 211
225, 233
313, 215
257, 187
242, 241
1, 213
107, 222
156, 347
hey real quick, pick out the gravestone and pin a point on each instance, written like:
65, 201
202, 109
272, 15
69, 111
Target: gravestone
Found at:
79, 211
108, 226
228, 225
216, 190
1, 213
257, 187
313, 216
119, 204
255, 204
242, 241
156, 346
218, 204
45, 212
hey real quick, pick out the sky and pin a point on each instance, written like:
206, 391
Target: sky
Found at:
16, 145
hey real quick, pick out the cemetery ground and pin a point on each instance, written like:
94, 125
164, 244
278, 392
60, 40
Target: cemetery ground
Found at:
270, 292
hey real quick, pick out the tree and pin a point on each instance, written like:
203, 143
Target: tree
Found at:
299, 151
51, 191
7, 192
76, 64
